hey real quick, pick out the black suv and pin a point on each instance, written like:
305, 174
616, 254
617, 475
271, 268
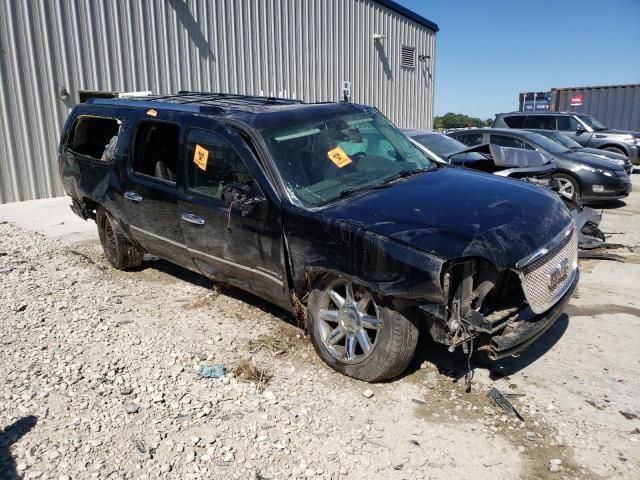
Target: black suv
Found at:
329, 211
585, 130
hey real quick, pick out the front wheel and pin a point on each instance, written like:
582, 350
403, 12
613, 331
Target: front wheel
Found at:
615, 150
567, 186
356, 334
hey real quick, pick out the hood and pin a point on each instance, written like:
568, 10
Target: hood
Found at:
454, 213
589, 159
618, 132
605, 153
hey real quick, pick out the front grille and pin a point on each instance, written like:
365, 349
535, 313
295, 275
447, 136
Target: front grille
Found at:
544, 281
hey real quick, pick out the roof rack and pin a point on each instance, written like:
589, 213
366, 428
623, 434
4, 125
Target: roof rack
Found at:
197, 102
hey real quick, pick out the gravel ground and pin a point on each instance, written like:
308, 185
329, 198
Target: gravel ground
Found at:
99, 379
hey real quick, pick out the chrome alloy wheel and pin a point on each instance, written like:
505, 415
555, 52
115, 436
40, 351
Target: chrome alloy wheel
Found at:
348, 323
565, 188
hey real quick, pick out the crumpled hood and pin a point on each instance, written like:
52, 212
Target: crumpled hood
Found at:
454, 213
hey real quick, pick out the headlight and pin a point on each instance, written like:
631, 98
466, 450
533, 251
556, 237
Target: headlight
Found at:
628, 138
608, 173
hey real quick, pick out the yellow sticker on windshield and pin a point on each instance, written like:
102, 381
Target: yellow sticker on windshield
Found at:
200, 157
338, 157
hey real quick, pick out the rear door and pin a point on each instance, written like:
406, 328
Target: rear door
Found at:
149, 189
235, 242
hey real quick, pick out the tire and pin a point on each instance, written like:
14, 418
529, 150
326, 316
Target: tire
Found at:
121, 253
392, 342
615, 150
569, 184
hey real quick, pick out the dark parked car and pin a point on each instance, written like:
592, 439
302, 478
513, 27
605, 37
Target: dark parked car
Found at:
585, 130
329, 211
574, 146
579, 175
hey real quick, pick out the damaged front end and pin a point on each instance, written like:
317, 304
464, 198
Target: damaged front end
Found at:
501, 312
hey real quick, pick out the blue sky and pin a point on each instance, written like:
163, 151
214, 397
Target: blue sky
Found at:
488, 51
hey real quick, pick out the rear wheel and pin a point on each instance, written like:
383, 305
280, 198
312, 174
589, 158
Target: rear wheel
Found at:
120, 252
567, 186
356, 334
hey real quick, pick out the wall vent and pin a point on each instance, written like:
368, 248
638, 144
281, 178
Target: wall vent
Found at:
408, 57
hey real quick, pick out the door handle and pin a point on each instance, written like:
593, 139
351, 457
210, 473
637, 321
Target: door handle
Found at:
193, 218
133, 196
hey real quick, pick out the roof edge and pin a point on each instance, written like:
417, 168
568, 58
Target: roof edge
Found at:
409, 14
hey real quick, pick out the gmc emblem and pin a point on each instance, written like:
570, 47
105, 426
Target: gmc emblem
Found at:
558, 274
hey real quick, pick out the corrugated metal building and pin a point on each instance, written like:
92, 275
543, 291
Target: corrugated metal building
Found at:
617, 106
53, 50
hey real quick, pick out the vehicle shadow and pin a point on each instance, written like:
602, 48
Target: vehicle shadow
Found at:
200, 280
609, 205
454, 365
9, 436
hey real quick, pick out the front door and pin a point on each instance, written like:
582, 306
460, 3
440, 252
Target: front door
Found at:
149, 199
235, 241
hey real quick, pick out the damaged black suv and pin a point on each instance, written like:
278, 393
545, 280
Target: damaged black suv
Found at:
329, 211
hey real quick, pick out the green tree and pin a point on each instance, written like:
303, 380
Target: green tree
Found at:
457, 120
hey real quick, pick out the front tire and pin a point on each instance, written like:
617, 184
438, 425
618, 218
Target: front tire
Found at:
121, 253
356, 334
568, 186
615, 150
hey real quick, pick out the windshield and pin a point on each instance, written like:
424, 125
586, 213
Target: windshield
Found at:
324, 158
592, 122
546, 143
440, 144
561, 139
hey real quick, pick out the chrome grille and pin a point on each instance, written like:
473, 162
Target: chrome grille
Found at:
545, 280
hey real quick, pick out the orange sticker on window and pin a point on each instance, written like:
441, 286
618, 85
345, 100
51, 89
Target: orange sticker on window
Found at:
338, 157
152, 113
200, 157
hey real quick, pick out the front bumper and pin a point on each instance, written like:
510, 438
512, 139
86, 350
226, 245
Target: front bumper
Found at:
519, 334
613, 188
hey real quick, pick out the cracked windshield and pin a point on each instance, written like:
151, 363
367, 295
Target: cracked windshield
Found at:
324, 159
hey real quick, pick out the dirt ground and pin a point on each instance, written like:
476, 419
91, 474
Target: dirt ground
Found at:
99, 379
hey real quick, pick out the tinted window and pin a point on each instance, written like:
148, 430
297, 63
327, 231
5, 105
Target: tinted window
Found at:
469, 139
567, 124
94, 137
212, 163
542, 122
440, 144
512, 142
516, 121
156, 150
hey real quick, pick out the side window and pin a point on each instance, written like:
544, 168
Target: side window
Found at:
470, 139
543, 122
567, 124
212, 163
94, 137
516, 121
511, 142
155, 151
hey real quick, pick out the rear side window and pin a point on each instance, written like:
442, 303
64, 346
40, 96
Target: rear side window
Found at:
469, 139
212, 163
155, 152
516, 121
511, 142
94, 137
542, 122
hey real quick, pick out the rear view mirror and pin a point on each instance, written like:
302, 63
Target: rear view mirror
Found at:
580, 128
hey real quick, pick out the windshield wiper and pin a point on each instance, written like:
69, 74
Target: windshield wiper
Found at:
405, 174
350, 191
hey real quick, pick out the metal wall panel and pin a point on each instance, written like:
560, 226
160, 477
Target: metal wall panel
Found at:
291, 48
617, 106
